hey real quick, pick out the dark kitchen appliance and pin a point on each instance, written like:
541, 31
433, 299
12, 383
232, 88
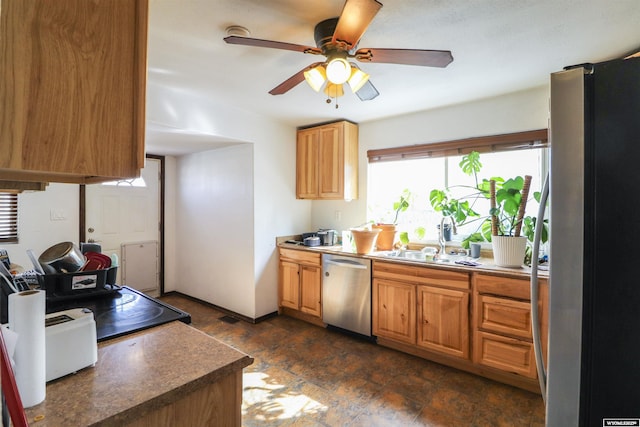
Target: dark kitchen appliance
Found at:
122, 312
328, 237
594, 295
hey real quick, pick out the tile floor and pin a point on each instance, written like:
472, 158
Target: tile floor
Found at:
304, 375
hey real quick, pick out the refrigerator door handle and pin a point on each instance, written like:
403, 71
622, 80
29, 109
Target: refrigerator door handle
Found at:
535, 291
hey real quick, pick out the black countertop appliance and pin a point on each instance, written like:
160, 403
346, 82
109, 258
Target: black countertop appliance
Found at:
121, 312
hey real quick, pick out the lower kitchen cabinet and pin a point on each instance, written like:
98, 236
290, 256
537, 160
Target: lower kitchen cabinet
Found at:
505, 353
416, 305
311, 289
443, 320
394, 308
289, 284
474, 320
301, 281
503, 338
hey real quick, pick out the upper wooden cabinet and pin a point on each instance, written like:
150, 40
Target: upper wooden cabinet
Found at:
72, 89
327, 162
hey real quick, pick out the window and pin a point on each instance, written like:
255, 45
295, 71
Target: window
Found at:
131, 182
421, 171
8, 217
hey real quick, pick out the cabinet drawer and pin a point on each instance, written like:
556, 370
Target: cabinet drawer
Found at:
506, 354
505, 316
506, 286
304, 257
420, 275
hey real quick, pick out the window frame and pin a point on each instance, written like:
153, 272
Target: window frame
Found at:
538, 138
534, 139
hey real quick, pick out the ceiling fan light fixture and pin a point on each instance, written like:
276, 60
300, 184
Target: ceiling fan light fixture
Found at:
316, 77
237, 30
358, 79
333, 90
338, 70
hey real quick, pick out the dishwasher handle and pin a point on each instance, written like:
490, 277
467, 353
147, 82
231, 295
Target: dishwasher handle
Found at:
346, 263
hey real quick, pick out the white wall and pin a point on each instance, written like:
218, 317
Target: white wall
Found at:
515, 112
36, 229
275, 210
214, 227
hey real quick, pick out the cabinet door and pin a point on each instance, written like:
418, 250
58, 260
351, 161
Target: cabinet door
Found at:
443, 320
289, 285
72, 80
307, 164
310, 290
394, 310
331, 161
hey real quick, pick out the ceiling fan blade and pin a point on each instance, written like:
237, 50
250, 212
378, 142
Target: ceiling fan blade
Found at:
292, 81
426, 58
248, 41
354, 20
367, 92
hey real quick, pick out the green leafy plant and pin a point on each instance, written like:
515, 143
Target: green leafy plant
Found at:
402, 204
460, 211
508, 198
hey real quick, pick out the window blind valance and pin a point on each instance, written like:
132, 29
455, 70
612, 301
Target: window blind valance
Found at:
483, 144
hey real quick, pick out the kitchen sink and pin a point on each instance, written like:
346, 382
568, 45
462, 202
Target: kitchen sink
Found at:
415, 255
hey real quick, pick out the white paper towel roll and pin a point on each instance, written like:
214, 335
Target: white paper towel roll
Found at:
26, 318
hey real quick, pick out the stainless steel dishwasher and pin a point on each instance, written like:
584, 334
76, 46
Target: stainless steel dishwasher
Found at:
346, 293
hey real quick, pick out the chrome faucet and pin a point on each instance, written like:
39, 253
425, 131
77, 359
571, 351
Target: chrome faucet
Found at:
441, 239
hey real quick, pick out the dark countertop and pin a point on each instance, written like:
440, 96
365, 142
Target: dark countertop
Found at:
136, 374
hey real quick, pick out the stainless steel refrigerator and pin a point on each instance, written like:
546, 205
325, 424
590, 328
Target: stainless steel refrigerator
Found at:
593, 376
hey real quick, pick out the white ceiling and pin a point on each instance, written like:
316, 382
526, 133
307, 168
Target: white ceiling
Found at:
499, 46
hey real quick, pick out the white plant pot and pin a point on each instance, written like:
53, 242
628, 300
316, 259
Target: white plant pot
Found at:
508, 251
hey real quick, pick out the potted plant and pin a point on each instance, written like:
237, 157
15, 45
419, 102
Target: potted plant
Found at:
387, 235
508, 210
454, 211
508, 204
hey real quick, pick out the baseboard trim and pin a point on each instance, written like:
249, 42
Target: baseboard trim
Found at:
224, 310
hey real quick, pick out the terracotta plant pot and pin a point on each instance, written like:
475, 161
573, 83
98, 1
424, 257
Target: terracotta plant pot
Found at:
387, 236
508, 251
365, 240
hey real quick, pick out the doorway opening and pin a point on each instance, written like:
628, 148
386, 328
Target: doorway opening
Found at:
128, 221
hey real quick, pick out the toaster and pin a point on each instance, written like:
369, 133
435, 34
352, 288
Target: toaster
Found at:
70, 342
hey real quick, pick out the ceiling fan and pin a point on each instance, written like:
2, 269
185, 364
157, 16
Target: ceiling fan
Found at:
337, 39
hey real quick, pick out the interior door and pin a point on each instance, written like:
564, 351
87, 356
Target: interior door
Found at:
125, 213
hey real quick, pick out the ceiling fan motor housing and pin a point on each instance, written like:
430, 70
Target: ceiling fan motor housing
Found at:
323, 32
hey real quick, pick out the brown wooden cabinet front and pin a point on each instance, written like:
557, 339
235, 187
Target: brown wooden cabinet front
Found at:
503, 336
307, 164
394, 310
443, 320
73, 83
289, 285
300, 281
327, 162
422, 306
311, 290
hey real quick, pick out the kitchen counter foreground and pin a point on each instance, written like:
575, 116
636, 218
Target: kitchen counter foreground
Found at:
141, 379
